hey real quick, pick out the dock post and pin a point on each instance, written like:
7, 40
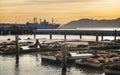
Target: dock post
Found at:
34, 35
9, 32
17, 49
1, 32
97, 38
102, 38
65, 37
115, 34
64, 56
50, 36
80, 36
64, 59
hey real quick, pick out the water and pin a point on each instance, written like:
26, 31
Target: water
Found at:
30, 64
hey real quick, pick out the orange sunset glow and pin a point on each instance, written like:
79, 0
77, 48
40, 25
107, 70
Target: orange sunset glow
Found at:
62, 11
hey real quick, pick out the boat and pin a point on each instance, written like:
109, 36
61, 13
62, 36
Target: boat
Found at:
42, 25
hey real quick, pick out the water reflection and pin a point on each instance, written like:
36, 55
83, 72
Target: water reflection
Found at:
17, 68
37, 57
30, 64
17, 62
90, 70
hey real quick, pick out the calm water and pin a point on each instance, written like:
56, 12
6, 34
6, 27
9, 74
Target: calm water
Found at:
30, 64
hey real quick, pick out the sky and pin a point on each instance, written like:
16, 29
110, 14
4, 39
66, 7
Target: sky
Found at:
62, 11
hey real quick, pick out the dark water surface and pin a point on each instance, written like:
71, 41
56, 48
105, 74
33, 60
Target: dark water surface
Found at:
30, 64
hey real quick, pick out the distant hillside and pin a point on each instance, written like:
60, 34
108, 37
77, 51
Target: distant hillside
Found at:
90, 23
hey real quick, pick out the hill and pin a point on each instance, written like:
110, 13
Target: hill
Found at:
91, 23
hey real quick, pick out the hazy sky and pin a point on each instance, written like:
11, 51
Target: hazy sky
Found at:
62, 11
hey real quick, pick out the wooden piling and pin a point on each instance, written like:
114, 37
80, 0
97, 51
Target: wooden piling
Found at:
115, 35
102, 38
50, 36
65, 38
97, 38
64, 56
34, 35
2, 32
17, 49
9, 32
64, 59
80, 36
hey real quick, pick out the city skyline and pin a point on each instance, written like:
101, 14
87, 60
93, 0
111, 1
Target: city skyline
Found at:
62, 11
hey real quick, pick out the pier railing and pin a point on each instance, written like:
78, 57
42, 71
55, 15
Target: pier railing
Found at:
79, 32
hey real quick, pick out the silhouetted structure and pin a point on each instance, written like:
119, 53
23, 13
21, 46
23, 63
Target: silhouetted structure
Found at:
6, 28
42, 25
